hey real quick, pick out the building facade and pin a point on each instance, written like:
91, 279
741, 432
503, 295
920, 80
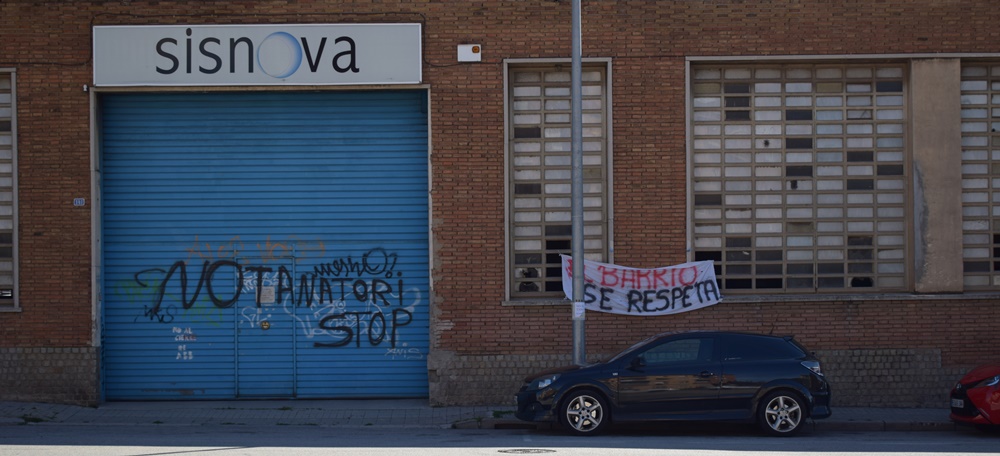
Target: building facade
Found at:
312, 199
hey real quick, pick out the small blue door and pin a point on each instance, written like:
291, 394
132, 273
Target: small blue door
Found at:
265, 356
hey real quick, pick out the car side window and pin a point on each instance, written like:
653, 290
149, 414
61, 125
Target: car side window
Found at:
679, 351
756, 348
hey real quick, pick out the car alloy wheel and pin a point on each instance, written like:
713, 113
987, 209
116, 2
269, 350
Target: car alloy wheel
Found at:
584, 413
781, 413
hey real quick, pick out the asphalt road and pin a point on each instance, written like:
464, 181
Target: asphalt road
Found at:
163, 440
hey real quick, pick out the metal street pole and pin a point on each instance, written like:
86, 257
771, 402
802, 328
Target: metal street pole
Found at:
579, 342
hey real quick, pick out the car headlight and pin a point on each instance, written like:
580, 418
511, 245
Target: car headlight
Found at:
542, 382
813, 366
991, 381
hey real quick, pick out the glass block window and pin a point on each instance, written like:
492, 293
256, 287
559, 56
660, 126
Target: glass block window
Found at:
8, 224
981, 176
799, 177
540, 173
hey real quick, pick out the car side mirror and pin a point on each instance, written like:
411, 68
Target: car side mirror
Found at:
637, 363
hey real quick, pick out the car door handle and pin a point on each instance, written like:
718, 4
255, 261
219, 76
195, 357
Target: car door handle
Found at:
706, 374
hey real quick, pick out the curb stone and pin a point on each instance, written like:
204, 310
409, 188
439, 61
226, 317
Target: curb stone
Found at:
813, 425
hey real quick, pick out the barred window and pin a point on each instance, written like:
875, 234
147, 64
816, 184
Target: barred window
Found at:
540, 175
799, 177
8, 223
981, 176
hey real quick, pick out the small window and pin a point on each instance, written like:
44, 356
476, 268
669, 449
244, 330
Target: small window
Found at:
539, 227
8, 192
980, 100
791, 162
750, 348
680, 351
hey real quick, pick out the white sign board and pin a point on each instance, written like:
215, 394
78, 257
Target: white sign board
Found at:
243, 55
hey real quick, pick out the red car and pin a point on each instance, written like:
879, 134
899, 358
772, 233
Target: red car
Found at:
975, 400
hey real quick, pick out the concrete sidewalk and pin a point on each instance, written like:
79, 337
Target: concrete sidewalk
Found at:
405, 413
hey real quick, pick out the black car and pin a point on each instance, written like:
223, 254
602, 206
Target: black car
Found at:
719, 376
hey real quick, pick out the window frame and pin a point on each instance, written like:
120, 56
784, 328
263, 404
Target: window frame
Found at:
14, 302
906, 276
987, 161
704, 345
510, 66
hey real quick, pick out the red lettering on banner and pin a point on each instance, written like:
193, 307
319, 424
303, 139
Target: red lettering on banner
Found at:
628, 279
659, 278
613, 277
608, 273
688, 280
644, 280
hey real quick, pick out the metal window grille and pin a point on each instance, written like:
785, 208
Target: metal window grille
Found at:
8, 225
540, 175
981, 176
800, 177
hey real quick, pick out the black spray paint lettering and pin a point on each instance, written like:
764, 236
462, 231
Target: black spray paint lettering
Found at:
333, 282
157, 314
669, 298
329, 290
260, 270
376, 262
378, 327
311, 286
208, 271
649, 301
602, 297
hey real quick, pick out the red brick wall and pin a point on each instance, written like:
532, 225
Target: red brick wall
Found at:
648, 42
48, 43
50, 55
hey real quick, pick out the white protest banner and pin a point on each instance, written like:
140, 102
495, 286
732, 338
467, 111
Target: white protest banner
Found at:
645, 292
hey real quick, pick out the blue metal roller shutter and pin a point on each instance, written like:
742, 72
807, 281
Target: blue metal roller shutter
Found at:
264, 244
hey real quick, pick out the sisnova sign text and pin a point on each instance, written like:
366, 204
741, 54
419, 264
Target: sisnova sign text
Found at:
244, 55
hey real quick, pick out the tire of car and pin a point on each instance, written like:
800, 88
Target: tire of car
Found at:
585, 412
781, 413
